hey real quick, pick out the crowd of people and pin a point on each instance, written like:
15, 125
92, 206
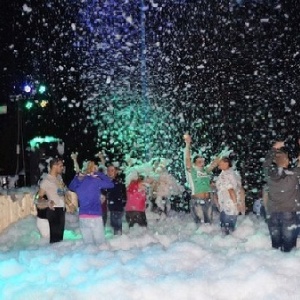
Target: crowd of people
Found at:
130, 190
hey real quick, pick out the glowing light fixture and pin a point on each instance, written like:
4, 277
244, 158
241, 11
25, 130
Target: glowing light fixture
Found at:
29, 104
42, 89
27, 88
43, 103
40, 140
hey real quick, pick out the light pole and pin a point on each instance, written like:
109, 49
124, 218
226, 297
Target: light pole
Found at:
144, 85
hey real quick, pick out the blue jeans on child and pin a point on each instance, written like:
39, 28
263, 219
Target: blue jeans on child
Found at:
227, 222
201, 210
116, 221
283, 230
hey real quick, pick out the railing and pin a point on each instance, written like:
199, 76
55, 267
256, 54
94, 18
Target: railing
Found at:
14, 207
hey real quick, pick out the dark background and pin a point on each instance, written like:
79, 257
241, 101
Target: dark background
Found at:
226, 71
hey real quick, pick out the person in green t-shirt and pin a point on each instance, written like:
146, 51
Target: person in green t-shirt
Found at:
198, 177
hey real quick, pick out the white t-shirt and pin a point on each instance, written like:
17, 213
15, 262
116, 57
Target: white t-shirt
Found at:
55, 189
228, 180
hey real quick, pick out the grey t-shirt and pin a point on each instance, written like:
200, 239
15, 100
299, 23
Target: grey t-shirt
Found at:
283, 184
55, 189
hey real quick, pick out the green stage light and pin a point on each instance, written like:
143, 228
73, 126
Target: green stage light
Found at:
29, 105
40, 140
42, 89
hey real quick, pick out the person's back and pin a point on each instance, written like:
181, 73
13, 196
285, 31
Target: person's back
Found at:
136, 197
88, 189
284, 192
283, 184
136, 203
283, 198
88, 193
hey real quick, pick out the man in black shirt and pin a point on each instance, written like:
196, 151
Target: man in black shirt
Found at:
116, 199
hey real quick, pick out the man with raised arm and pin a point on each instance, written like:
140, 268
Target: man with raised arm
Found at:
198, 177
283, 198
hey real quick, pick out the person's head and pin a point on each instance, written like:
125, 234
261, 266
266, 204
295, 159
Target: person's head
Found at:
225, 163
112, 171
56, 166
91, 167
155, 163
160, 167
198, 161
141, 177
281, 159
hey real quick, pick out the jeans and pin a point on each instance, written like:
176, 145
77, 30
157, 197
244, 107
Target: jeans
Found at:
92, 230
116, 221
298, 222
227, 222
283, 230
201, 209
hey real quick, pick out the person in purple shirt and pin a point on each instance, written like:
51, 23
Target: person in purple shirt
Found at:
88, 188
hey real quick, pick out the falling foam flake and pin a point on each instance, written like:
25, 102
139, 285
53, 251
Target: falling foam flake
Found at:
26, 8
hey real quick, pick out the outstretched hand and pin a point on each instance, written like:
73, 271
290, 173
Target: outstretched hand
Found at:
187, 138
101, 155
74, 155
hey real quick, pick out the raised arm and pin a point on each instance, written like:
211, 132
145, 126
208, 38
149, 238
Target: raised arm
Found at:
213, 164
187, 152
269, 169
106, 182
270, 156
101, 156
75, 162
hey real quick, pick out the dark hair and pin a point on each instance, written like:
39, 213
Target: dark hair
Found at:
196, 157
55, 161
141, 177
111, 165
227, 160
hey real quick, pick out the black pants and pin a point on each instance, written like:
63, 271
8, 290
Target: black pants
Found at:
104, 217
56, 219
136, 217
116, 221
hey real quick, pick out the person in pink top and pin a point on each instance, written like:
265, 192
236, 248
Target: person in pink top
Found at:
136, 203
